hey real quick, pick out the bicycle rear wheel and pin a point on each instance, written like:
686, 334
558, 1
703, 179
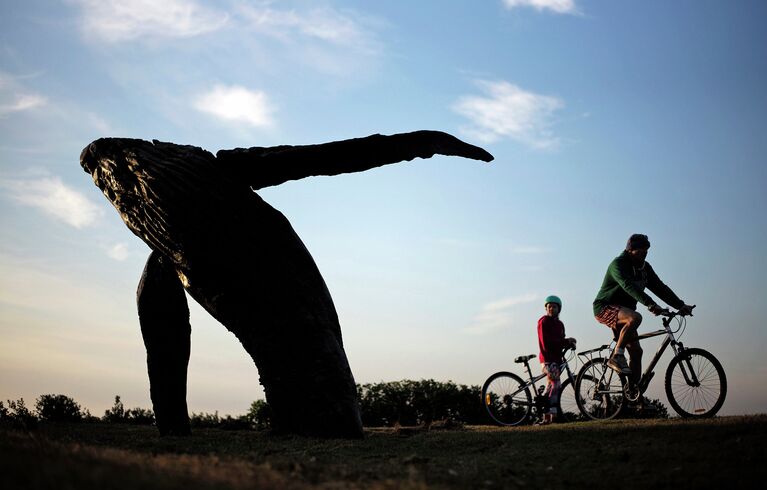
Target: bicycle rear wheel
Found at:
599, 390
568, 406
507, 398
695, 383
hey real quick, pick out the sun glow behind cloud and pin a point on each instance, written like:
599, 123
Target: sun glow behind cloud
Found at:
237, 104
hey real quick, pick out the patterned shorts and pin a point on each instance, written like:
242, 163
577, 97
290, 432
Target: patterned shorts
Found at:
609, 316
551, 370
553, 385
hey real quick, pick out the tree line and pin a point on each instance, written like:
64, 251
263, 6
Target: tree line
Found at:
383, 404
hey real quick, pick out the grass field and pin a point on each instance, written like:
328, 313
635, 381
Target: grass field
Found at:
725, 452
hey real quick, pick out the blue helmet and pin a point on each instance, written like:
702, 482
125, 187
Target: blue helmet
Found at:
553, 299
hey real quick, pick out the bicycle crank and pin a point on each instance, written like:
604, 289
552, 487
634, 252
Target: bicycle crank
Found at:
631, 393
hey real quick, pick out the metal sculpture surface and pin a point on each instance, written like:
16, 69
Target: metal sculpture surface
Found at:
214, 237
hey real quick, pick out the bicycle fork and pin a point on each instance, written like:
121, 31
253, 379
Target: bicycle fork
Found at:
688, 372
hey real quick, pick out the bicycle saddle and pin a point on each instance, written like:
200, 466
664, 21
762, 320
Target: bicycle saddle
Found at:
524, 358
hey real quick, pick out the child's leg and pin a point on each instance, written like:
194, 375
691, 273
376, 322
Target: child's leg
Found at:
554, 385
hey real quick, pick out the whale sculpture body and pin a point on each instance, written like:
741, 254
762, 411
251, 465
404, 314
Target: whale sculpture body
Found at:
237, 256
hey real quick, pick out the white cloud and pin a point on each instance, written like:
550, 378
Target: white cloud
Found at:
322, 24
557, 6
237, 104
22, 102
498, 314
127, 20
118, 252
54, 198
14, 98
507, 111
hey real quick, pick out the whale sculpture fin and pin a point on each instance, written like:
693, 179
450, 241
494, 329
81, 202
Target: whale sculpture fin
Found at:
263, 167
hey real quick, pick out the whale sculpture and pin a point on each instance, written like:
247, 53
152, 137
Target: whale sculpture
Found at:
213, 236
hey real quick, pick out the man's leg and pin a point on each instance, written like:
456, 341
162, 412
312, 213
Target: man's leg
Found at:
635, 360
625, 331
626, 328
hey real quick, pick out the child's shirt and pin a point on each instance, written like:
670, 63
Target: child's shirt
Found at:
551, 339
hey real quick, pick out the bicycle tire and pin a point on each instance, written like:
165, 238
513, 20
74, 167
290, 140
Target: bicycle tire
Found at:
599, 390
567, 407
502, 404
702, 400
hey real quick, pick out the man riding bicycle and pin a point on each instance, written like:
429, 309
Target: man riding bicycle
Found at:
625, 281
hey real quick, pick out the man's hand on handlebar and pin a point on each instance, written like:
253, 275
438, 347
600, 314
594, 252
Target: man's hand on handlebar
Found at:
655, 309
686, 310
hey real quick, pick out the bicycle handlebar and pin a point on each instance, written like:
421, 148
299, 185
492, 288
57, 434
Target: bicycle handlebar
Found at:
671, 314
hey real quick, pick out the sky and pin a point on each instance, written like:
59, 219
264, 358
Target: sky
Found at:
605, 119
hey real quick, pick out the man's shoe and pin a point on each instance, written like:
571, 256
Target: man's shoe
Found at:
617, 363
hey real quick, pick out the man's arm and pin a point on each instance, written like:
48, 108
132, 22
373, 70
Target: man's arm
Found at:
263, 167
662, 291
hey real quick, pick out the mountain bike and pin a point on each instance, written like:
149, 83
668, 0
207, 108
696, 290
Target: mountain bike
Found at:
510, 400
696, 385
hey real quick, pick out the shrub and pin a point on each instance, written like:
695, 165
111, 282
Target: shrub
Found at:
139, 416
116, 414
135, 416
58, 408
418, 402
214, 421
235, 423
259, 415
17, 413
204, 420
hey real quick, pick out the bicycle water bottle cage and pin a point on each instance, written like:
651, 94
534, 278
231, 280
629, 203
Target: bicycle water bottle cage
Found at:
524, 358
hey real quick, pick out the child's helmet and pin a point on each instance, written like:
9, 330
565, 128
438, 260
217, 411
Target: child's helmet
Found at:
553, 299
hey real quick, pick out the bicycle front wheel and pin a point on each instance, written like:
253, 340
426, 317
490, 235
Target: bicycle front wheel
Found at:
695, 383
507, 398
599, 390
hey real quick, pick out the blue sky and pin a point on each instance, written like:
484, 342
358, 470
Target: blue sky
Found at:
605, 119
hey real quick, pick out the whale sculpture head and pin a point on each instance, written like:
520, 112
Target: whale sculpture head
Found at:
165, 193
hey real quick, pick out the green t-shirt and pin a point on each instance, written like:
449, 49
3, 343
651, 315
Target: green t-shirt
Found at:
624, 285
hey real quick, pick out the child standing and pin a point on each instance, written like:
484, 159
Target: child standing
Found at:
552, 343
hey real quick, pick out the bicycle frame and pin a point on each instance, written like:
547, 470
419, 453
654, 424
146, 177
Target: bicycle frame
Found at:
564, 367
670, 339
532, 380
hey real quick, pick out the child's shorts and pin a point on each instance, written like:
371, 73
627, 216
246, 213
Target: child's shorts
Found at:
551, 369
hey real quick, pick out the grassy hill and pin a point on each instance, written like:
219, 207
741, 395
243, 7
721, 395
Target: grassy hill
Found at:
724, 452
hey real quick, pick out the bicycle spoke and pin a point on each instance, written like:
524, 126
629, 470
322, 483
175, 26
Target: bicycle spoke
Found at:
506, 399
599, 391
